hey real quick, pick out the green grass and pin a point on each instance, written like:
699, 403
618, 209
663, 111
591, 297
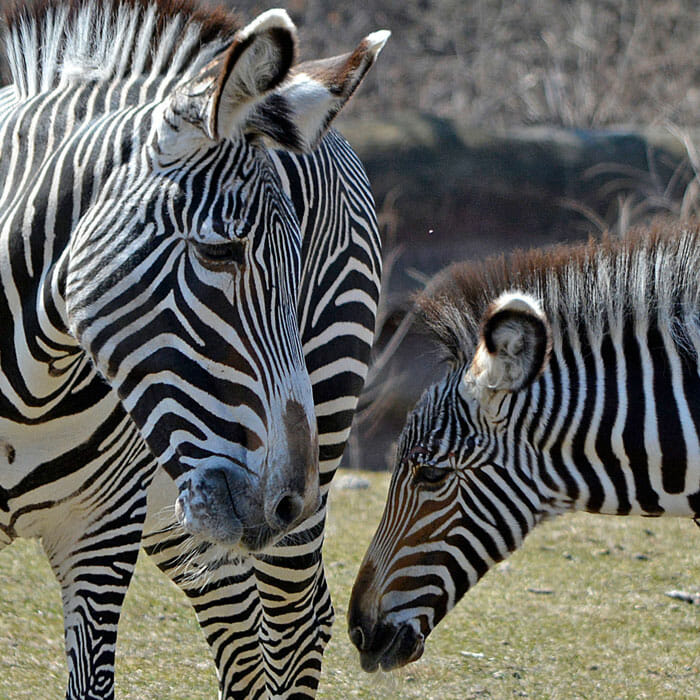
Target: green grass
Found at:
603, 629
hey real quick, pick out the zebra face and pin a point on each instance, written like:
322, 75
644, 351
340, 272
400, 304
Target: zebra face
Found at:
182, 276
462, 494
190, 314
413, 571
182, 273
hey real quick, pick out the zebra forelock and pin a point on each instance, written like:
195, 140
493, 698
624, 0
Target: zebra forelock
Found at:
50, 41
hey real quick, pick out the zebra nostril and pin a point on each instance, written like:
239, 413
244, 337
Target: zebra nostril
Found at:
288, 509
357, 637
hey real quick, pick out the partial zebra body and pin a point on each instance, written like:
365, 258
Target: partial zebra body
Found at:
575, 385
150, 263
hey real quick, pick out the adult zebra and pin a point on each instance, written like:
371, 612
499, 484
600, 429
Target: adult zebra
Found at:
575, 385
149, 277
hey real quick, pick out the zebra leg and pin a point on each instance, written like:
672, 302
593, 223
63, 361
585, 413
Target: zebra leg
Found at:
297, 612
227, 607
267, 620
225, 598
94, 566
267, 625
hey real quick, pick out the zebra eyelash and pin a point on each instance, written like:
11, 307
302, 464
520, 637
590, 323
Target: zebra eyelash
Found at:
428, 476
222, 254
424, 472
228, 251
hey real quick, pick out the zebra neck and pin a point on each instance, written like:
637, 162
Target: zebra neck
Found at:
612, 424
47, 190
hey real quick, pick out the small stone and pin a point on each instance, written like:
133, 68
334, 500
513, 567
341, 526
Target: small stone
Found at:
692, 598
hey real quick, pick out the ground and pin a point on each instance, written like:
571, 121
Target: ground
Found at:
580, 611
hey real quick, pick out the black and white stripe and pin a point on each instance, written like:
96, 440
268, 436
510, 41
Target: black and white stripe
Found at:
575, 384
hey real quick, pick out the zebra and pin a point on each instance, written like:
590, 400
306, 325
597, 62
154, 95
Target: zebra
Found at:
150, 268
268, 618
574, 385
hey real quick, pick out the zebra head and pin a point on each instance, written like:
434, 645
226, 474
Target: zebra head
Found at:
181, 278
461, 496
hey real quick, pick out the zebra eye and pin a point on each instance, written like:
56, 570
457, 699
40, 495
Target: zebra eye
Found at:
426, 474
219, 254
418, 454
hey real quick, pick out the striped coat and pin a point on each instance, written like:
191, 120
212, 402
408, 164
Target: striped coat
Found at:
151, 257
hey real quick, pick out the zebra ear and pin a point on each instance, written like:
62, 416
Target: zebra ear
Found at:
514, 346
296, 115
218, 99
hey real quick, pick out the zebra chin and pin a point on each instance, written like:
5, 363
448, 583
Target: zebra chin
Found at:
220, 503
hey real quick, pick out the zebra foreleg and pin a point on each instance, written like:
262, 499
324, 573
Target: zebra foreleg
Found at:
258, 655
94, 568
296, 628
227, 606
267, 626
224, 597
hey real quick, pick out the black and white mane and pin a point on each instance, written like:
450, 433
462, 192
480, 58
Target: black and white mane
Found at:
48, 42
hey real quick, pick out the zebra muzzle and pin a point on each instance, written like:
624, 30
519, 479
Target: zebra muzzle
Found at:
222, 503
387, 646
205, 506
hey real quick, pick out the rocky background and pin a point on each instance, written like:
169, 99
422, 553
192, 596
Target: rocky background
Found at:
491, 124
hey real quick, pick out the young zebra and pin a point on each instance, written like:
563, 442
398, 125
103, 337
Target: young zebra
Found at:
574, 385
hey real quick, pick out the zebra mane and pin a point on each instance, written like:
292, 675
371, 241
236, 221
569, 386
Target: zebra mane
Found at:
650, 274
48, 41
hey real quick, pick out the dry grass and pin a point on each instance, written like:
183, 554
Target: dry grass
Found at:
487, 62
605, 630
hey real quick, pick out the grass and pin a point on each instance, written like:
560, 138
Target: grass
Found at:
579, 612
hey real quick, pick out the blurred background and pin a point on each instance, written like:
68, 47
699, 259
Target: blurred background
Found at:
490, 125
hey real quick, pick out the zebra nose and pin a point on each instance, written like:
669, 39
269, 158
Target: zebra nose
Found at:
361, 624
286, 511
302, 438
